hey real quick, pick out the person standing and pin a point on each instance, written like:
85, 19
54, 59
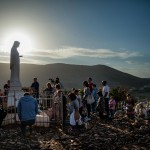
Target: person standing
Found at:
129, 106
57, 81
27, 110
79, 98
90, 83
100, 105
87, 92
94, 93
112, 105
75, 118
6, 87
35, 88
105, 92
48, 92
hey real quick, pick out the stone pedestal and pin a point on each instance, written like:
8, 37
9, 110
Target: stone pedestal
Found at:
13, 97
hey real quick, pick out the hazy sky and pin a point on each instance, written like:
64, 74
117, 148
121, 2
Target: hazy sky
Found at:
115, 33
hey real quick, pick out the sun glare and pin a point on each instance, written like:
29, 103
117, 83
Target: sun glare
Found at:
26, 44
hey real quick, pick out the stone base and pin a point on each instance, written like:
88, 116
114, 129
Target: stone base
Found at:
13, 97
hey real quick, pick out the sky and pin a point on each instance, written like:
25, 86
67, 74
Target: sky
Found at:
115, 33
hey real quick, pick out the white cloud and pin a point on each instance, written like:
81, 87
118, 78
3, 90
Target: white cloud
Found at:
67, 52
39, 55
130, 62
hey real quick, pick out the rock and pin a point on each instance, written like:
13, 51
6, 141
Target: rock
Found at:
117, 134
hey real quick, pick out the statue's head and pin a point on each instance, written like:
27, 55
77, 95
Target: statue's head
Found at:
16, 44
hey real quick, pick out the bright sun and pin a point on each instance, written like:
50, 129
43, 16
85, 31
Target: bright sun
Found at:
26, 44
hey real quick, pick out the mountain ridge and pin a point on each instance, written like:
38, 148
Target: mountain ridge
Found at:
72, 75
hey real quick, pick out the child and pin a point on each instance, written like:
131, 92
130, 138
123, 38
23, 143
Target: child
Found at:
112, 105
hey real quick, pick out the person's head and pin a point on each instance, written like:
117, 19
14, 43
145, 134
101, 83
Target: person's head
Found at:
85, 84
57, 80
72, 96
129, 97
34, 79
26, 94
48, 84
8, 82
93, 86
59, 92
16, 44
104, 82
57, 86
73, 89
76, 92
89, 79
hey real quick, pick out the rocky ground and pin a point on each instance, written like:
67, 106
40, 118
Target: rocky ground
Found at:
118, 134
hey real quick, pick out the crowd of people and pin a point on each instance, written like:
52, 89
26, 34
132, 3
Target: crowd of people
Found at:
80, 104
77, 104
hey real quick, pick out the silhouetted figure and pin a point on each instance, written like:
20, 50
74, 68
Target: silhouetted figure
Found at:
15, 66
35, 88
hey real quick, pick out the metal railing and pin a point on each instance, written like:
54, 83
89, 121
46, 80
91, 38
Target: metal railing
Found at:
49, 111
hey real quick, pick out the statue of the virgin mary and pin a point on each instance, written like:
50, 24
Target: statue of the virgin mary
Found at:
15, 67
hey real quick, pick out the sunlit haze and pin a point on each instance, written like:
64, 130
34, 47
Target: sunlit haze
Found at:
26, 41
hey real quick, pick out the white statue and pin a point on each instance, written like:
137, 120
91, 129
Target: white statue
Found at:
15, 91
15, 67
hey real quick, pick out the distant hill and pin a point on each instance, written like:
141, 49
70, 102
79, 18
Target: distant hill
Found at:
72, 75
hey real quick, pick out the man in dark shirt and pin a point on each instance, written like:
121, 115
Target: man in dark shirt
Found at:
35, 88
